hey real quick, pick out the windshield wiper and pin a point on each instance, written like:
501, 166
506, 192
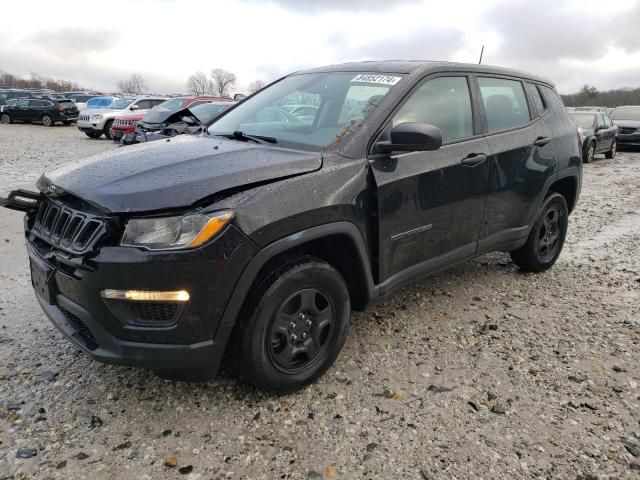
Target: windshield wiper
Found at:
238, 135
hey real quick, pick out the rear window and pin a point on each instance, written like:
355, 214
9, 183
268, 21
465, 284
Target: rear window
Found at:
173, 105
66, 104
505, 103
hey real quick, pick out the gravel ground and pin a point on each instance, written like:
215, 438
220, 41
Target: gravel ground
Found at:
481, 371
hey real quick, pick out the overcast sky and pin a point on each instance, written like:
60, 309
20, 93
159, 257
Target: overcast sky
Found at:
98, 43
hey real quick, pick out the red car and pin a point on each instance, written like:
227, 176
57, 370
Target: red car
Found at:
125, 124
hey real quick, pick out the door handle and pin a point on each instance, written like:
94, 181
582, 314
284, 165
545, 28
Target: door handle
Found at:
473, 159
541, 141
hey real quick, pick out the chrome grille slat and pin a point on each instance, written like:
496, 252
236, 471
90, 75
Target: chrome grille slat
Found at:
67, 229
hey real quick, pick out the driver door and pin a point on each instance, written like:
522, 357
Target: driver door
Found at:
431, 204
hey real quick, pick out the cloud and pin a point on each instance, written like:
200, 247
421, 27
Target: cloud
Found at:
315, 6
72, 41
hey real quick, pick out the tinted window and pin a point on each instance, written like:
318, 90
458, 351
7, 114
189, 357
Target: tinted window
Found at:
552, 98
504, 103
66, 105
536, 98
39, 103
444, 102
22, 103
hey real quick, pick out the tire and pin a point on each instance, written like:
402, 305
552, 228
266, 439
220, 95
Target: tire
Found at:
66, 122
47, 121
107, 127
612, 153
293, 325
590, 153
546, 238
93, 134
5, 119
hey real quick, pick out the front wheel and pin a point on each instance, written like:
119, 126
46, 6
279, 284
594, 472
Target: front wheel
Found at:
293, 326
93, 134
546, 239
612, 152
591, 152
47, 121
107, 128
5, 119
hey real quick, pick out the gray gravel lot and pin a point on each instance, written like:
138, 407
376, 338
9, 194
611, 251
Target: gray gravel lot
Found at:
478, 372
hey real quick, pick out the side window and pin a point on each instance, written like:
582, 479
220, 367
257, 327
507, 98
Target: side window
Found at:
552, 98
504, 103
144, 104
22, 103
36, 103
444, 102
536, 98
599, 121
153, 103
607, 121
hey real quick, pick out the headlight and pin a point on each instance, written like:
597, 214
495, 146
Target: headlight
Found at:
170, 233
96, 117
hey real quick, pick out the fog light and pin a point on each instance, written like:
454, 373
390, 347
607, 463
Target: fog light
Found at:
146, 296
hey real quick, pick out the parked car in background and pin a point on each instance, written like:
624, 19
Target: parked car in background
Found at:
126, 123
591, 109
95, 123
627, 118
157, 117
47, 110
14, 93
190, 120
304, 113
597, 132
100, 102
81, 99
258, 239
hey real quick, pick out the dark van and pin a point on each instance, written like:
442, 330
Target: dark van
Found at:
256, 239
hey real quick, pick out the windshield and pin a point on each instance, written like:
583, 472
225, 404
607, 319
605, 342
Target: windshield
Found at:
208, 111
626, 113
339, 100
121, 103
583, 120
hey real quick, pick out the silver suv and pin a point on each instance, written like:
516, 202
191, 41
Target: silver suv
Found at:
95, 123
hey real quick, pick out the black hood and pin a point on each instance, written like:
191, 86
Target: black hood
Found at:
173, 174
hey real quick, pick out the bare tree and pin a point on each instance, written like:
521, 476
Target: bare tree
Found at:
222, 81
256, 85
199, 84
135, 84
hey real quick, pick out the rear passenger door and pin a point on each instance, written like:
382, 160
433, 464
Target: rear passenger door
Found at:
36, 109
431, 204
522, 156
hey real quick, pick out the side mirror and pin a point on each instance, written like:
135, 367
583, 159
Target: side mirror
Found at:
412, 137
134, 107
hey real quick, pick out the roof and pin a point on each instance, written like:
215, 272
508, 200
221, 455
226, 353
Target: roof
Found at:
422, 67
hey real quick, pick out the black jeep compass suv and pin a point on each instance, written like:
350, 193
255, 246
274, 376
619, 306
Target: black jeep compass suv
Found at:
256, 239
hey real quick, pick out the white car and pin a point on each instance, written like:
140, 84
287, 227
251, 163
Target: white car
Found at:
95, 123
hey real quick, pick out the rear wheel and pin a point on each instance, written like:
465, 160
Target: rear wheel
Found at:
93, 134
614, 148
547, 236
107, 127
591, 152
293, 326
5, 119
47, 121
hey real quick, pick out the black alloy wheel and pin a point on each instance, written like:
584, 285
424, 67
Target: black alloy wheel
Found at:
546, 239
300, 329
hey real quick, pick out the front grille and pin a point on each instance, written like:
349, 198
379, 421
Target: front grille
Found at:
67, 229
124, 123
88, 339
627, 130
153, 313
83, 118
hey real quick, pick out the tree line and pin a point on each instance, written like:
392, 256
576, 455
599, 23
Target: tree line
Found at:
35, 80
590, 96
219, 82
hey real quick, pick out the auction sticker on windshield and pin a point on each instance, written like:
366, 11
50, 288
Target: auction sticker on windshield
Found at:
380, 79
